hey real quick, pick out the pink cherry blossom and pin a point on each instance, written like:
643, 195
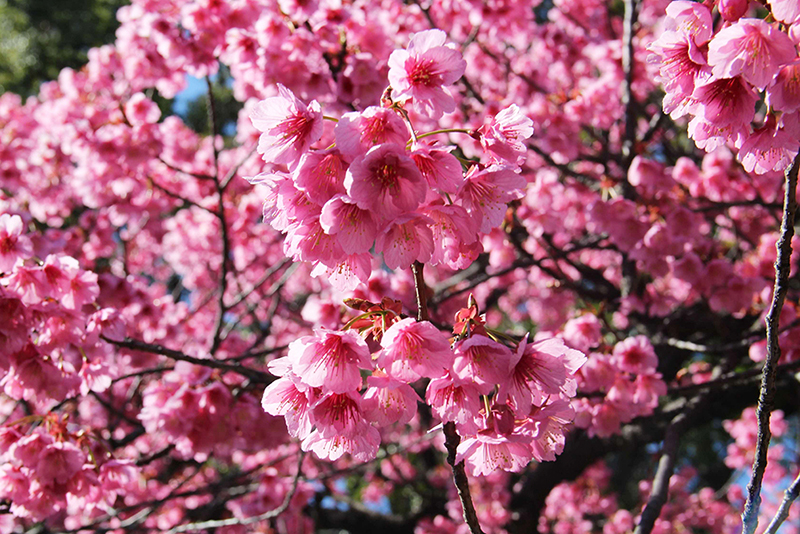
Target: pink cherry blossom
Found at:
422, 70
733, 10
540, 370
768, 149
455, 236
385, 181
356, 133
405, 240
786, 11
486, 192
784, 94
285, 398
413, 349
388, 401
455, 399
504, 137
725, 102
487, 452
362, 446
330, 360
482, 359
13, 244
635, 355
354, 228
440, 168
751, 48
288, 127
691, 18
320, 175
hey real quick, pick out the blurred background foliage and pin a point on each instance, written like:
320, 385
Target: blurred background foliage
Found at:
40, 37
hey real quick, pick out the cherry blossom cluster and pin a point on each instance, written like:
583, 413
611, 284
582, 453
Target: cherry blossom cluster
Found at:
52, 469
509, 406
718, 75
619, 385
379, 184
50, 324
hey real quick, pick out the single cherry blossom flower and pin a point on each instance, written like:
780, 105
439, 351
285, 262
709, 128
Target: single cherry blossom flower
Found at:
289, 398
440, 168
504, 136
691, 18
414, 349
288, 127
725, 102
14, 244
784, 94
752, 48
386, 181
346, 274
482, 359
357, 132
354, 228
388, 401
422, 70
458, 400
320, 174
486, 452
486, 193
767, 149
362, 446
405, 240
330, 360
455, 235
635, 355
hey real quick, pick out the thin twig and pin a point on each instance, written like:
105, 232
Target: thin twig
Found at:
203, 525
766, 397
731, 378
789, 496
175, 168
235, 169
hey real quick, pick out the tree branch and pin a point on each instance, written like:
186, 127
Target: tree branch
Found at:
789, 496
452, 439
666, 467
254, 375
226, 243
248, 520
766, 397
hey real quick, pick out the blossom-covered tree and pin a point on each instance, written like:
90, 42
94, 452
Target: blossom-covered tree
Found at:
457, 267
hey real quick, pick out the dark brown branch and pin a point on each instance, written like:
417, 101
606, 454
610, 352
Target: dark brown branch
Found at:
420, 288
766, 397
135, 344
666, 467
226, 242
451, 437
